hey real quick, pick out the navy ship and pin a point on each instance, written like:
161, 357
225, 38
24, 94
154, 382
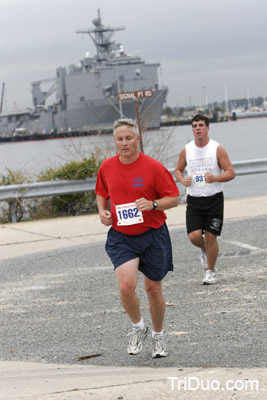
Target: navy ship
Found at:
86, 96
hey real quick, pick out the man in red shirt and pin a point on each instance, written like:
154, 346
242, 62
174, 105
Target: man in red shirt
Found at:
132, 192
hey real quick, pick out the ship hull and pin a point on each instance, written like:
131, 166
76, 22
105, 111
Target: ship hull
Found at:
100, 115
260, 114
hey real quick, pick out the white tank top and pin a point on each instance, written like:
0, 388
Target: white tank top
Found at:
200, 160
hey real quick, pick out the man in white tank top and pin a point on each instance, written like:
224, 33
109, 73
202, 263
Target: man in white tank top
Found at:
207, 166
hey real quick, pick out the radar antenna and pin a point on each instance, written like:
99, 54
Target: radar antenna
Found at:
101, 36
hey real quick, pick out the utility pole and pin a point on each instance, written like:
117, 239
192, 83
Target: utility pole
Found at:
138, 94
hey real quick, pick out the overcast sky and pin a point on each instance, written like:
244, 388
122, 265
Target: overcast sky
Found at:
203, 45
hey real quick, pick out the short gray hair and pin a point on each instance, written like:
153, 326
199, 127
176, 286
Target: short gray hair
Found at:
126, 122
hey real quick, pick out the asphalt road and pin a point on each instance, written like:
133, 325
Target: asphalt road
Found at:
60, 305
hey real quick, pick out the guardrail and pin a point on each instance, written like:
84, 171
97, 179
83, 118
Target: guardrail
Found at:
11, 193
248, 167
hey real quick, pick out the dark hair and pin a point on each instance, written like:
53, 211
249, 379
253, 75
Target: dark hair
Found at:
200, 117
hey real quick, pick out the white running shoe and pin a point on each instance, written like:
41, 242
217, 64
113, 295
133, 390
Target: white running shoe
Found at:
159, 349
203, 259
136, 340
209, 278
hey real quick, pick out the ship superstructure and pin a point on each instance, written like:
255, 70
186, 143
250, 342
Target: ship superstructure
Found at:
86, 96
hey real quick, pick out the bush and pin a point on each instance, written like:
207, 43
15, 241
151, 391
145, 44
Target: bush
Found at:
73, 204
72, 170
13, 178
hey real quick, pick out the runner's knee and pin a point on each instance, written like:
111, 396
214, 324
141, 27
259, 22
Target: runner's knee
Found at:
127, 288
194, 237
210, 237
154, 290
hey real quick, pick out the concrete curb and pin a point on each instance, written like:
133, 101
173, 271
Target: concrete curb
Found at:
57, 382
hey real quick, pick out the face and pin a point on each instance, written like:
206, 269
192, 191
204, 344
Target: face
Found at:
200, 130
126, 142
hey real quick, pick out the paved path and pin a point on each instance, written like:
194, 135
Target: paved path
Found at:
59, 301
31, 237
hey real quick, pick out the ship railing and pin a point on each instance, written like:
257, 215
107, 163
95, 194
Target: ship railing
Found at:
13, 193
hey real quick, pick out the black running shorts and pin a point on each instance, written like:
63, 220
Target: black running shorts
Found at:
205, 213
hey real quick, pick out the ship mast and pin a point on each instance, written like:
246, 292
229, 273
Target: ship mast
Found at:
2, 97
101, 36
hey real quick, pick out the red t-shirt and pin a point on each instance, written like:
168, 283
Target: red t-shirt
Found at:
125, 183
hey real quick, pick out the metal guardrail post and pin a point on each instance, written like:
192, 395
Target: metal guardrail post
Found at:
12, 209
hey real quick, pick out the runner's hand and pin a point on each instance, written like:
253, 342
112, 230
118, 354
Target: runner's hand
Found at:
144, 204
105, 217
187, 181
209, 178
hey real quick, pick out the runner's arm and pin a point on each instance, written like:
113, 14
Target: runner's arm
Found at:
179, 170
104, 213
163, 204
225, 164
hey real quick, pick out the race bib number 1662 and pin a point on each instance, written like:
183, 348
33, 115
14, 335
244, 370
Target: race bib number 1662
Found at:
128, 214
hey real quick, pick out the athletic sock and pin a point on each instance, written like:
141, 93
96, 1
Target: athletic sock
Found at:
139, 325
157, 333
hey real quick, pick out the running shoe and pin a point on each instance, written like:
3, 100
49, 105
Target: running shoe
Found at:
203, 258
159, 349
136, 340
209, 278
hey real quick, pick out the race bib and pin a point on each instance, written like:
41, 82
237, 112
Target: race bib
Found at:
199, 179
128, 214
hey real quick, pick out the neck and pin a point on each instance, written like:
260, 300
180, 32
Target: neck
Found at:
128, 160
202, 142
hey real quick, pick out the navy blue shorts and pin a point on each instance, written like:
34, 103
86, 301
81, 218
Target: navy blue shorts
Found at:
153, 248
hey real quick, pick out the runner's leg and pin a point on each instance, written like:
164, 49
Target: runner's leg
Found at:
212, 249
127, 280
156, 303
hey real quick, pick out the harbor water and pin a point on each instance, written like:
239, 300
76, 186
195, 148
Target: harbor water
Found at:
242, 139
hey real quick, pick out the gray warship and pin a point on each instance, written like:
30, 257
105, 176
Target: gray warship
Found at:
86, 95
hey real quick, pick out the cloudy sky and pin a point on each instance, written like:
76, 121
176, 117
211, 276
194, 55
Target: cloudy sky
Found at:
203, 45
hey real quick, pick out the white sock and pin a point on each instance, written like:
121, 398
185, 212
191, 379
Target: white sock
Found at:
157, 333
139, 325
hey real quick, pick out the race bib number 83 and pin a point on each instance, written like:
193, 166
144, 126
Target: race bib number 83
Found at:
128, 214
199, 179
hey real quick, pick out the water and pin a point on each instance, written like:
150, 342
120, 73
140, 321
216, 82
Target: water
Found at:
243, 140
